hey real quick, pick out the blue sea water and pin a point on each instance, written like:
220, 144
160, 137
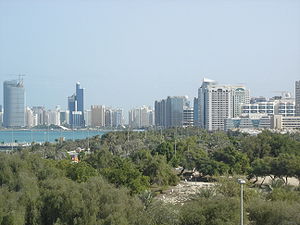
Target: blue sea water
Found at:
28, 136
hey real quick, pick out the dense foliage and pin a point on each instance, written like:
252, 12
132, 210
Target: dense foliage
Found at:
116, 181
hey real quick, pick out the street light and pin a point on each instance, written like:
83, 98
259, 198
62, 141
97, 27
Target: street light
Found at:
241, 182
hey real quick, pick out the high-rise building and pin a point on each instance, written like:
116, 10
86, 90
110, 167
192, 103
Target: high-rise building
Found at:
140, 117
64, 117
196, 112
1, 116
169, 112
87, 117
97, 115
160, 113
14, 103
117, 118
241, 96
297, 98
76, 108
53, 117
108, 117
29, 118
80, 103
174, 110
188, 117
219, 102
40, 115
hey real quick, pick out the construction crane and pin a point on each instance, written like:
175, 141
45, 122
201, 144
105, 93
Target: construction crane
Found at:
20, 76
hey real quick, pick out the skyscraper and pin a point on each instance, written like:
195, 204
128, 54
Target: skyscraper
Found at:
219, 102
108, 117
297, 98
196, 112
80, 103
14, 103
1, 115
140, 117
169, 112
76, 108
117, 118
97, 115
160, 113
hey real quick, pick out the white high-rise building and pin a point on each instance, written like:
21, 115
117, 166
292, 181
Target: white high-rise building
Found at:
188, 116
241, 96
87, 117
41, 115
117, 118
30, 120
54, 117
140, 117
219, 102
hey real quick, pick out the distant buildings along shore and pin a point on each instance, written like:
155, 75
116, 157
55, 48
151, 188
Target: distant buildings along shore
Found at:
216, 107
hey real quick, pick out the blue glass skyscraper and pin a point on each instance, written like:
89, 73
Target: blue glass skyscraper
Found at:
80, 103
76, 108
13, 103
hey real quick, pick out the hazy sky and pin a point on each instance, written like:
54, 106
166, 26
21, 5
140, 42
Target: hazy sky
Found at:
130, 53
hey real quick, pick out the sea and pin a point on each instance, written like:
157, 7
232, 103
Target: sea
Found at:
41, 136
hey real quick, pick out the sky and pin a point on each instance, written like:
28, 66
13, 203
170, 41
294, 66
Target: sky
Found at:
129, 53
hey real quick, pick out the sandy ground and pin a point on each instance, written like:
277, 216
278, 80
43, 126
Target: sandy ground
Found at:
183, 191
291, 181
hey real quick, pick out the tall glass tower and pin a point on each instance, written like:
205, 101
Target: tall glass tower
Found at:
80, 103
14, 103
76, 108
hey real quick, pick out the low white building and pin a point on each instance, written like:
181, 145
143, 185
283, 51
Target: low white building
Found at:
280, 122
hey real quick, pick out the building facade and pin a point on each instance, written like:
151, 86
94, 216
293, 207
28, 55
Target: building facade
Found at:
284, 107
188, 117
160, 113
280, 122
1, 116
14, 103
297, 98
170, 112
140, 117
108, 117
98, 116
219, 102
117, 118
76, 108
248, 122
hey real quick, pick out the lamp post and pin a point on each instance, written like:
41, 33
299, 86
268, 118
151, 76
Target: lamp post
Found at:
241, 182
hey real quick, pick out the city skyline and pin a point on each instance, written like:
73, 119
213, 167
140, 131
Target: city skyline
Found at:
152, 104
129, 54
217, 107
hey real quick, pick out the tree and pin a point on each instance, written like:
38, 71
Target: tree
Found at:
217, 211
237, 161
260, 168
211, 167
166, 149
273, 213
